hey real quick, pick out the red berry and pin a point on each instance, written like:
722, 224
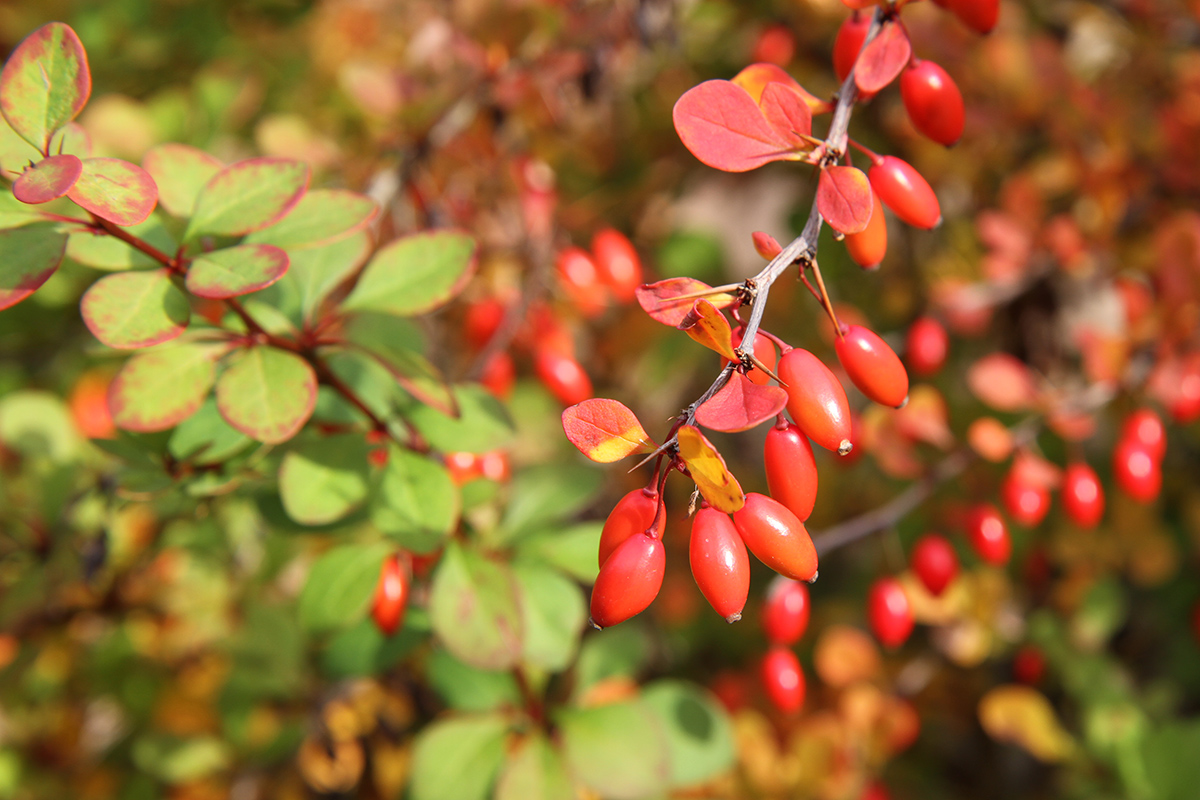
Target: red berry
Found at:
989, 535
933, 101
482, 320
783, 680
719, 563
618, 263
580, 279
634, 513
816, 401
927, 346
869, 246
563, 377
89, 405
1185, 404
1029, 665
849, 42
791, 469
391, 595
776, 537
875, 791
785, 611
1082, 495
629, 580
979, 15
776, 45
905, 192
1145, 427
1026, 502
889, 612
935, 563
872, 366
1137, 471
764, 350
499, 375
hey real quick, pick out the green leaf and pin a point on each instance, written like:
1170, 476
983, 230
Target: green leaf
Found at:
465, 688
246, 196
267, 394
474, 609
323, 480
572, 550
31, 255
316, 271
415, 274
38, 425
235, 271
553, 613
322, 216
482, 423
416, 376
45, 83
207, 438
159, 389
699, 733
268, 655
49, 178
457, 757
623, 650
14, 213
361, 649
548, 493
617, 750
535, 772
180, 171
340, 586
418, 503
180, 760
130, 310
370, 382
115, 190
101, 251
1171, 766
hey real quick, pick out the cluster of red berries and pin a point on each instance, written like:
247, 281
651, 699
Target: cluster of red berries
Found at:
785, 615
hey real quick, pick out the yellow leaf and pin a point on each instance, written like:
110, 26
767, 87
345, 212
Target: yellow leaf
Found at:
714, 480
1024, 717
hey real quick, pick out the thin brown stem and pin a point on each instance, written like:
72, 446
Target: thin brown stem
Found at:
100, 224
825, 301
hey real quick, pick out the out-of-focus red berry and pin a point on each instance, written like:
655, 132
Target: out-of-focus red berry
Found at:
927, 346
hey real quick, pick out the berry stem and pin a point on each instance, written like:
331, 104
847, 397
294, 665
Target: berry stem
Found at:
837, 326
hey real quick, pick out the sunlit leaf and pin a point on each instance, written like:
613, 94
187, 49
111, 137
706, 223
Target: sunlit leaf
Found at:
882, 59
206, 437
267, 394
714, 480
130, 310
340, 586
1023, 716
788, 114
756, 77
1002, 382
418, 503
553, 614
323, 480
719, 122
708, 326
236, 270
103, 251
605, 430
31, 255
457, 758
698, 731
474, 608
115, 190
49, 178
180, 171
844, 198
45, 83
246, 196
597, 739
321, 217
671, 300
535, 772
318, 270
159, 389
415, 274
482, 423
740, 405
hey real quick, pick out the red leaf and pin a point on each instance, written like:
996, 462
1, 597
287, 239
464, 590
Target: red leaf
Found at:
766, 245
740, 405
708, 326
844, 198
670, 301
50, 178
883, 58
719, 122
1002, 382
787, 113
605, 430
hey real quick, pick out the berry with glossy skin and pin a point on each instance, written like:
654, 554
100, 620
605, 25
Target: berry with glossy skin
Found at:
629, 580
617, 262
634, 513
816, 401
1146, 427
872, 366
776, 537
905, 192
934, 562
764, 350
1082, 495
889, 612
785, 611
849, 42
933, 101
1137, 471
391, 595
1026, 502
926, 347
580, 279
791, 469
989, 535
783, 680
563, 377
719, 563
869, 246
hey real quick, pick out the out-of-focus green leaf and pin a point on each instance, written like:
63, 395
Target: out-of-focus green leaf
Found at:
554, 615
160, 388
131, 310
267, 393
482, 424
457, 757
597, 740
246, 196
361, 649
38, 425
535, 772
572, 550
206, 437
465, 688
415, 274
31, 255
322, 216
340, 585
181, 760
622, 650
102, 251
549, 493
322, 480
418, 504
699, 733
474, 608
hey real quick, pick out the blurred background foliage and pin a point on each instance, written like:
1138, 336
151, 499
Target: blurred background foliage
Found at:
163, 643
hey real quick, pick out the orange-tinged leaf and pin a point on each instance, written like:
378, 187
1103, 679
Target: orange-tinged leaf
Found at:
714, 480
787, 113
605, 430
845, 655
670, 301
719, 122
1002, 382
926, 417
844, 198
1023, 716
740, 405
756, 77
708, 326
883, 58
1030, 469
50, 178
990, 439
